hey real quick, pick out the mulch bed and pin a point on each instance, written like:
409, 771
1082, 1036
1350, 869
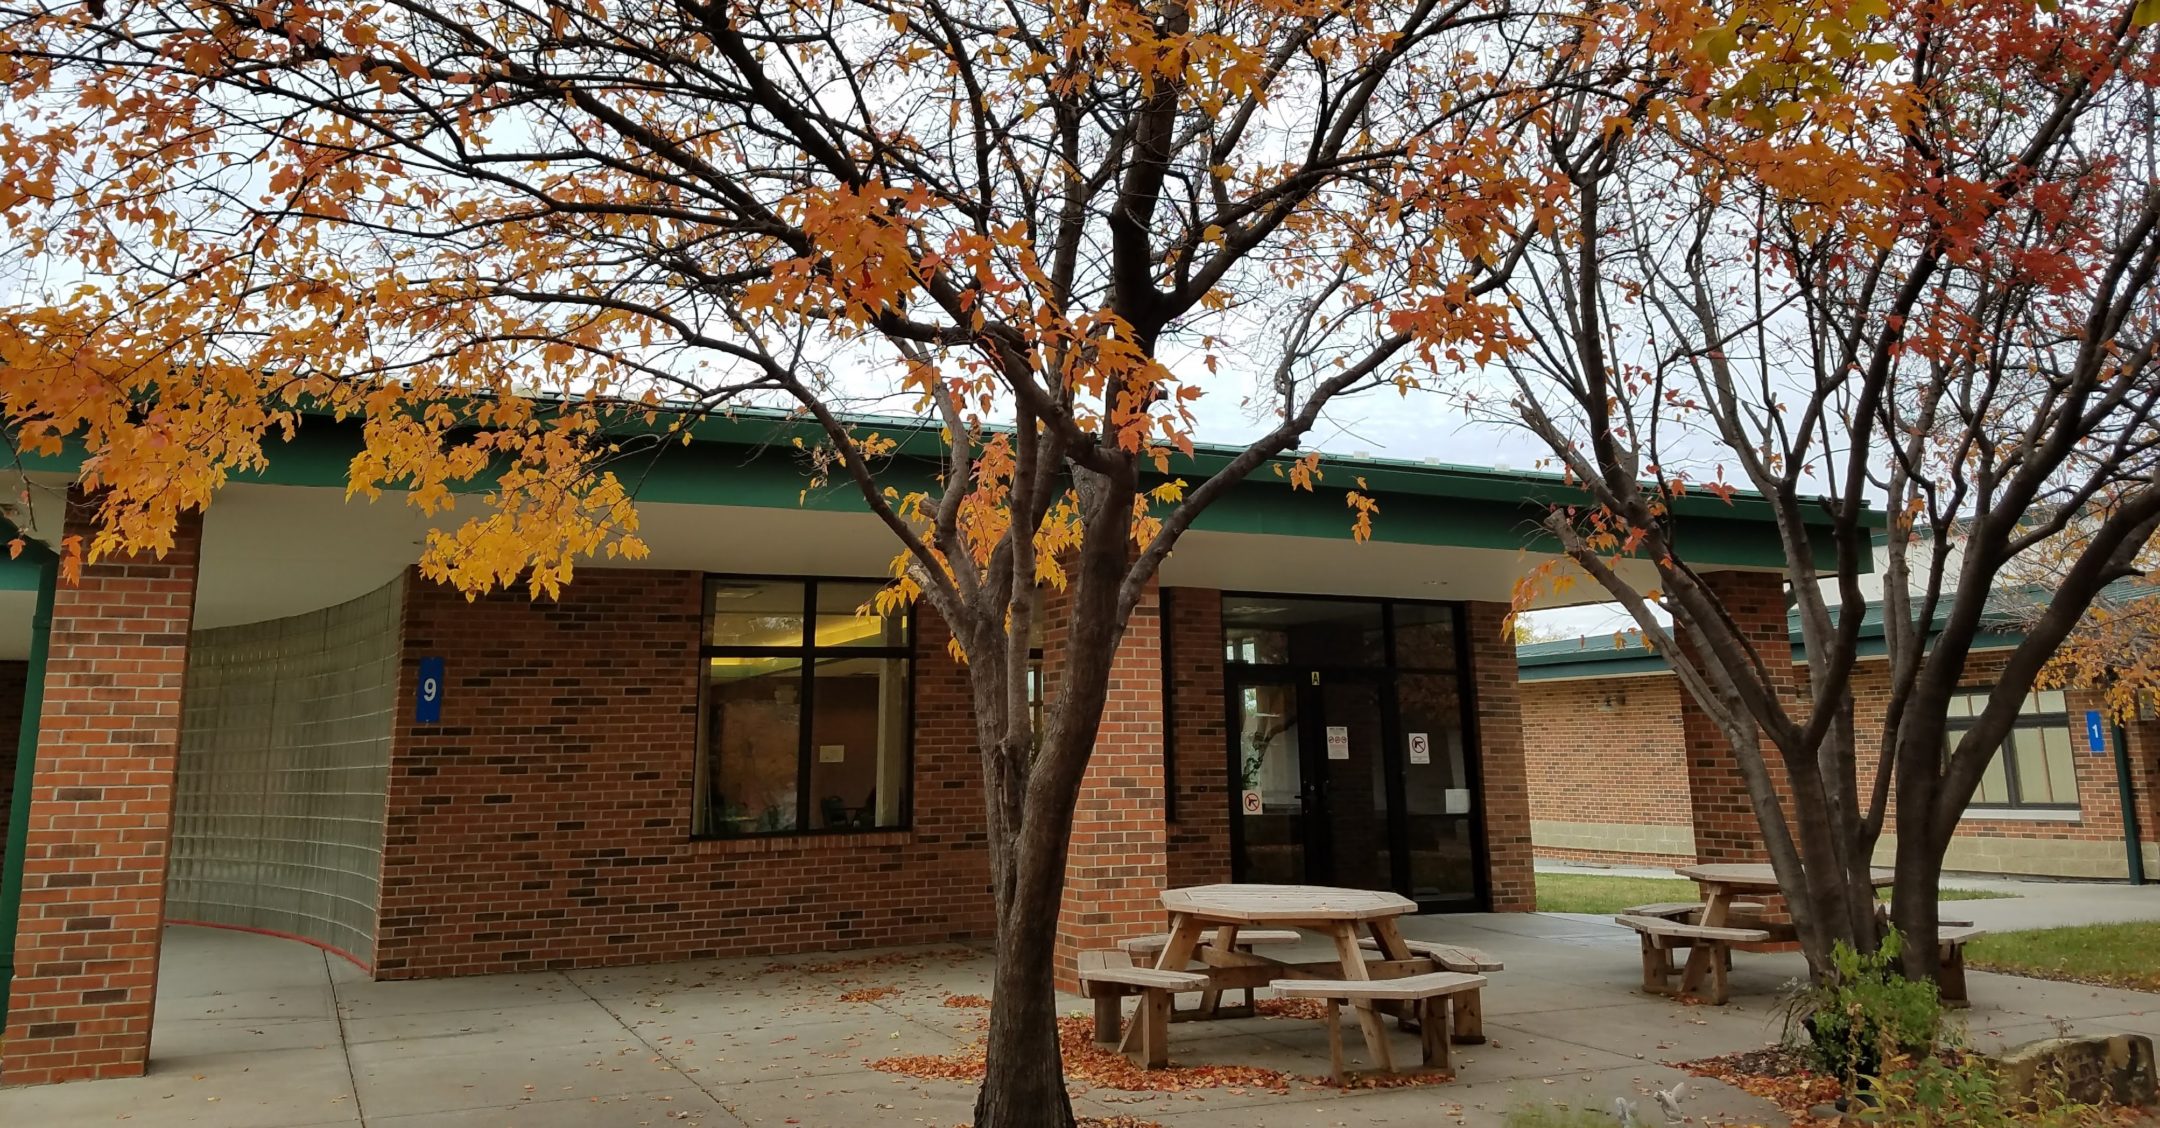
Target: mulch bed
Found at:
1778, 1074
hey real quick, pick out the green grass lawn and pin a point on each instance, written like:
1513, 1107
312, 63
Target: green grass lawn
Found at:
1598, 893
2116, 955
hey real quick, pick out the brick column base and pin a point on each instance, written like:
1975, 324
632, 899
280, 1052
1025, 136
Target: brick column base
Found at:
1503, 765
86, 955
1117, 865
1726, 829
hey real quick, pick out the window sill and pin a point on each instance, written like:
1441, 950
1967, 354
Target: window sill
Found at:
802, 843
2015, 814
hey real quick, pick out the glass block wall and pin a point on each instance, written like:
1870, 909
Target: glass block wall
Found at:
284, 752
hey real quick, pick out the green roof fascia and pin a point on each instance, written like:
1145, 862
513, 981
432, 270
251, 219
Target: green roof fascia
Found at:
1569, 658
1432, 478
750, 459
1616, 664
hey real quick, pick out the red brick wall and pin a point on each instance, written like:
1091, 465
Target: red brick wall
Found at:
545, 822
1726, 829
101, 817
1200, 832
1117, 864
2099, 807
1629, 773
1606, 751
11, 702
1502, 762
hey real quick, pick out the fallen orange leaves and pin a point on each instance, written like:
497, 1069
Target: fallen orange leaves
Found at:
1777, 1075
1093, 1065
960, 1001
868, 994
1310, 1010
861, 963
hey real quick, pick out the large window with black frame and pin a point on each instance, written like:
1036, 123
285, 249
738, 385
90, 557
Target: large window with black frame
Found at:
804, 723
2036, 768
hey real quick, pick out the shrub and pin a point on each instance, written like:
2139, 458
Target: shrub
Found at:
1866, 1013
1965, 1091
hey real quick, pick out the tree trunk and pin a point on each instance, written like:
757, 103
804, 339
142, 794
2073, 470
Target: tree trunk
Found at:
1919, 879
1024, 1075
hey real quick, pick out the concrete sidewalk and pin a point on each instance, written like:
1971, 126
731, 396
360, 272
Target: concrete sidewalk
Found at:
254, 1032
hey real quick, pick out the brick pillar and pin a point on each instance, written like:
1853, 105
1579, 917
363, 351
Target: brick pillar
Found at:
1726, 829
86, 955
1117, 866
1503, 772
1199, 746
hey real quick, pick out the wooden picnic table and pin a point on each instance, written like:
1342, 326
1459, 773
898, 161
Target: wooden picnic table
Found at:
1726, 882
1337, 914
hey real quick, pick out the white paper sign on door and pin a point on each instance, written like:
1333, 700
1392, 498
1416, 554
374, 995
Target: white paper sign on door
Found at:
1458, 801
1253, 804
1420, 748
1338, 742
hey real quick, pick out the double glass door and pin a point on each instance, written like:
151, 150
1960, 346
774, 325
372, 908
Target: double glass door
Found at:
1355, 777
1312, 758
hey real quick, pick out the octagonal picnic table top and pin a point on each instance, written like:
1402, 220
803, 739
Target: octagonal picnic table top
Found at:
1258, 904
1755, 876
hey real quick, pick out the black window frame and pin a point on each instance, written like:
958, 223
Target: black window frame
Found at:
808, 654
1954, 729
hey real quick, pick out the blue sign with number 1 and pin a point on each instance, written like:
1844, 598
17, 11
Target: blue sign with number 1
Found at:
427, 699
2095, 734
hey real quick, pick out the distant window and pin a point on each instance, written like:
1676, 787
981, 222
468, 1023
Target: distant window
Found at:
2036, 768
806, 703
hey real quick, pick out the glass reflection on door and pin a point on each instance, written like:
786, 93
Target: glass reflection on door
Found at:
1273, 839
1354, 794
1437, 793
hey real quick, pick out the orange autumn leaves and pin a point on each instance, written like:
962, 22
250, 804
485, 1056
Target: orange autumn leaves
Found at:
499, 241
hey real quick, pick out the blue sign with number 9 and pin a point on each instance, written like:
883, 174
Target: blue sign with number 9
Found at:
427, 699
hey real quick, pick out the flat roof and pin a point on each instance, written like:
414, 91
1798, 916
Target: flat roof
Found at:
751, 457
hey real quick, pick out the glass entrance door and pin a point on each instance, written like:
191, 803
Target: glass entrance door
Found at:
1441, 845
1352, 754
1355, 840
1314, 793
1273, 810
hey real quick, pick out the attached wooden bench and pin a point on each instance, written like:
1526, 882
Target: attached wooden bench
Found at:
1430, 993
1108, 977
1690, 912
1452, 957
1149, 949
1661, 937
1469, 1008
1950, 976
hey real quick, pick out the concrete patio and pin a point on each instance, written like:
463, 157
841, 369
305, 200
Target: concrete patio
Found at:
256, 1032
